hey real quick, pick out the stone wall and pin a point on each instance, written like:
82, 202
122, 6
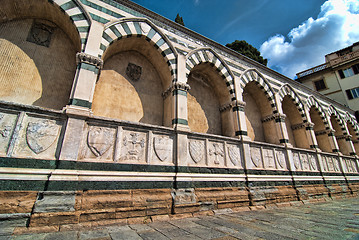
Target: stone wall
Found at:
151, 120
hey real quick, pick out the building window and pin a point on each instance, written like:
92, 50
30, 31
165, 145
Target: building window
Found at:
348, 72
352, 93
320, 85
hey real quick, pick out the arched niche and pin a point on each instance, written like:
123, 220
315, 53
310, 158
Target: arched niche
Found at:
133, 78
211, 93
354, 135
321, 129
260, 107
38, 46
340, 134
207, 98
295, 123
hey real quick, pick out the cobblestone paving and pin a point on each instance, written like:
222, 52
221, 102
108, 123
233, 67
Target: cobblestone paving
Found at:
337, 219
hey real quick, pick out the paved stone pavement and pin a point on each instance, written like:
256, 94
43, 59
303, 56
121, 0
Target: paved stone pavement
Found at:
337, 219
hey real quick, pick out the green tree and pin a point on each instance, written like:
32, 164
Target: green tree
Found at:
247, 50
179, 20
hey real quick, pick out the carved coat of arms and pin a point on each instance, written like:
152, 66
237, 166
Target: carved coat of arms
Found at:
163, 148
133, 71
281, 159
296, 160
312, 162
40, 34
256, 156
41, 135
99, 140
196, 150
234, 155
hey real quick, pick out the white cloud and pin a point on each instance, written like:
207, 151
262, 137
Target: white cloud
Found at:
196, 2
336, 27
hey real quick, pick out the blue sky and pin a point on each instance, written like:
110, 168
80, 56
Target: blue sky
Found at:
292, 34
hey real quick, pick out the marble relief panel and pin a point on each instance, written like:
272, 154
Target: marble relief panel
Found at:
233, 158
197, 153
7, 125
38, 137
99, 143
216, 154
131, 147
280, 159
256, 157
162, 150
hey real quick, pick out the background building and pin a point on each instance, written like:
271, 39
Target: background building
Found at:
337, 78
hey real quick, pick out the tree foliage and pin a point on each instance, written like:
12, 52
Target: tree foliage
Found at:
247, 50
179, 20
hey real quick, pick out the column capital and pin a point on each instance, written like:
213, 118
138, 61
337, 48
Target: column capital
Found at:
225, 107
82, 57
278, 117
176, 86
238, 105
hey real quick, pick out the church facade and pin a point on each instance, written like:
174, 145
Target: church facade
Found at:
110, 113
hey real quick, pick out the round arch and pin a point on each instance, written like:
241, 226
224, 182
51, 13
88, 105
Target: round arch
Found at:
207, 55
141, 27
42, 46
253, 75
287, 90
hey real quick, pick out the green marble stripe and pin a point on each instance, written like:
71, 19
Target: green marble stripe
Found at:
138, 28
107, 37
179, 92
80, 103
269, 183
99, 19
83, 29
68, 5
101, 9
126, 28
151, 33
89, 67
180, 121
78, 17
115, 31
95, 166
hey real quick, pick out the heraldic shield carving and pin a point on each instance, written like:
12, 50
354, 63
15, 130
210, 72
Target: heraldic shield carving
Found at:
256, 156
133, 71
234, 155
41, 135
196, 150
163, 148
280, 158
99, 140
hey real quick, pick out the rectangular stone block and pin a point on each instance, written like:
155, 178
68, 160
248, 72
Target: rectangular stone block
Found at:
17, 201
58, 201
102, 199
51, 219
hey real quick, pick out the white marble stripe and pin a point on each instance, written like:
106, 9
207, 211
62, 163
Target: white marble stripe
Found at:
73, 11
61, 2
81, 23
111, 33
132, 28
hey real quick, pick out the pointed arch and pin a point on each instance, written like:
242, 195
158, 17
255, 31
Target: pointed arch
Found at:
79, 16
207, 55
253, 75
287, 90
141, 27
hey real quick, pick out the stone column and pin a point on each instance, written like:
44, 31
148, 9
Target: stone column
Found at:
281, 129
88, 68
239, 118
177, 93
309, 127
331, 135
